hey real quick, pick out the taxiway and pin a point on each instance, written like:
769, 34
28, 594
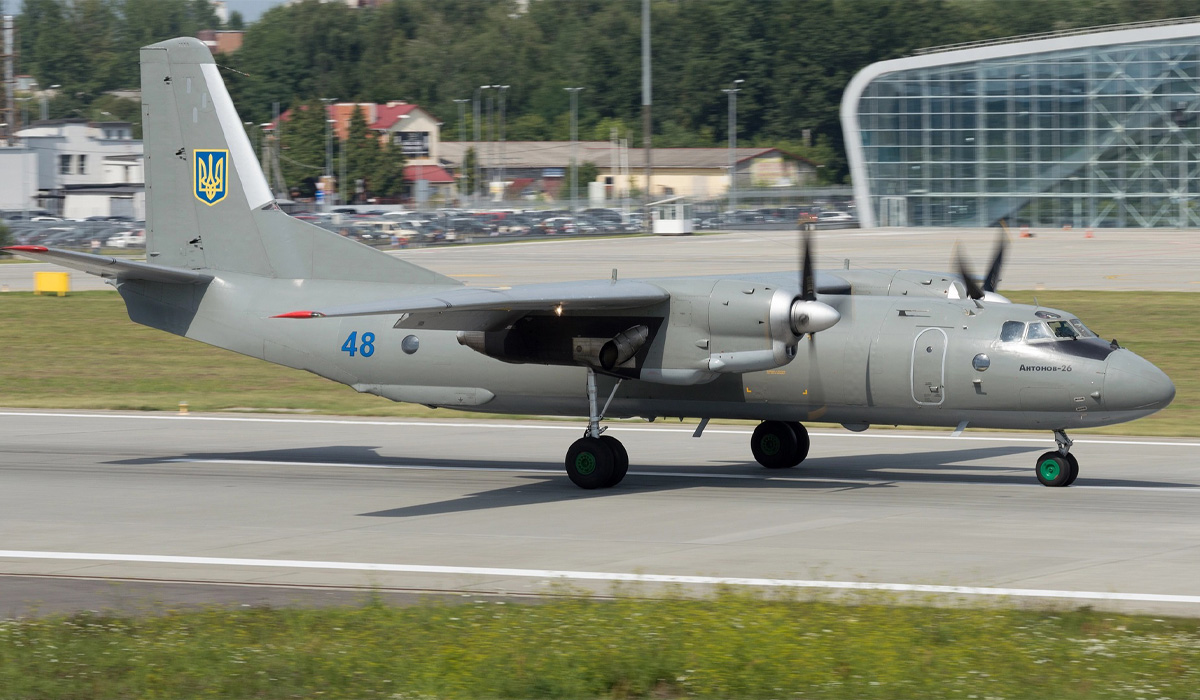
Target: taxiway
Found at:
196, 503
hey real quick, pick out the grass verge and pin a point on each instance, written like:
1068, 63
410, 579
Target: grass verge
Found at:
732, 645
81, 351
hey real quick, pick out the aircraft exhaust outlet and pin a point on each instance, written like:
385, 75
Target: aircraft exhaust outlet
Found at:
623, 346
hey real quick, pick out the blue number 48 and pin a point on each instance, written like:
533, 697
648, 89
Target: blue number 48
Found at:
366, 348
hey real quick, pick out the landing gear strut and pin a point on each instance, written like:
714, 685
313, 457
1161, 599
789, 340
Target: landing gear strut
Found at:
1058, 467
779, 444
597, 461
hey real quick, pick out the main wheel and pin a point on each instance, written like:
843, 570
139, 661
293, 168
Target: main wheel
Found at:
1053, 469
621, 459
590, 463
1074, 469
774, 444
802, 442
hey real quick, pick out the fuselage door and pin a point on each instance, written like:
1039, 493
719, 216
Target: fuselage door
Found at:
929, 367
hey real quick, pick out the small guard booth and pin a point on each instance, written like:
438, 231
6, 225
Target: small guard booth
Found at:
671, 217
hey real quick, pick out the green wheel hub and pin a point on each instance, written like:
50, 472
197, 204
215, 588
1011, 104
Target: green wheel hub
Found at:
770, 445
585, 463
1049, 469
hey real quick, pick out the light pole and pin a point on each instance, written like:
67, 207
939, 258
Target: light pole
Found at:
574, 143
45, 103
462, 140
328, 149
502, 154
475, 144
732, 92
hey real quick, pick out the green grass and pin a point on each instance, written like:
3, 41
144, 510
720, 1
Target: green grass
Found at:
729, 646
82, 352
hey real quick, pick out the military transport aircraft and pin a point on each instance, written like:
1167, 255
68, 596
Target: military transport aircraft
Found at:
226, 267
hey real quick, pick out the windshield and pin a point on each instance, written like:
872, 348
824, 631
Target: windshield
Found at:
1084, 331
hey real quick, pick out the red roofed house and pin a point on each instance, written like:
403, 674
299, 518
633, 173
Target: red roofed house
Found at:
414, 130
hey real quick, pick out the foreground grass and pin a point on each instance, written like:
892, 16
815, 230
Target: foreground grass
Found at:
81, 351
730, 646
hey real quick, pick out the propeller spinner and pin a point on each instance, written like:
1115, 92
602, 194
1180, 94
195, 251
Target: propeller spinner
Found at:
807, 314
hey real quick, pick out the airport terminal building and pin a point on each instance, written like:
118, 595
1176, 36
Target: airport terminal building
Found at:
1090, 128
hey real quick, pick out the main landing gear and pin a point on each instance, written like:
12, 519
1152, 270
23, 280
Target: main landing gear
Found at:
778, 444
597, 461
1058, 467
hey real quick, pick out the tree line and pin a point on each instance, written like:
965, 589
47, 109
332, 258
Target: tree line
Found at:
794, 56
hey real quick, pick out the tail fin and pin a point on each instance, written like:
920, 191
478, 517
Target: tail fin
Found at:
208, 206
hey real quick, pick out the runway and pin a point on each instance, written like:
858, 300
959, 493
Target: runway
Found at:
1114, 260
201, 507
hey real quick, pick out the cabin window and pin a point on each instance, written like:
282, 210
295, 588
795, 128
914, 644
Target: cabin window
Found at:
1011, 331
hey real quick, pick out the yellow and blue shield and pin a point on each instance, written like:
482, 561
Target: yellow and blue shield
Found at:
209, 174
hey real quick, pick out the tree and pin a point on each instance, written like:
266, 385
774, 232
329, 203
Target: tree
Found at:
387, 177
235, 22
586, 172
302, 152
5, 237
362, 149
468, 174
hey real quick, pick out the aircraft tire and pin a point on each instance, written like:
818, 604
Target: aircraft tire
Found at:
590, 463
621, 461
1053, 469
802, 442
774, 444
1074, 469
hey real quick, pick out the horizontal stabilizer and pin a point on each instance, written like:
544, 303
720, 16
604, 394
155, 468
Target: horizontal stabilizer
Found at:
110, 267
468, 308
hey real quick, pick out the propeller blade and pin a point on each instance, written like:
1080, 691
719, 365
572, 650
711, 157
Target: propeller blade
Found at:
993, 276
808, 287
968, 279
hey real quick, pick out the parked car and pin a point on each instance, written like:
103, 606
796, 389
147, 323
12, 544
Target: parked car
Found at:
135, 238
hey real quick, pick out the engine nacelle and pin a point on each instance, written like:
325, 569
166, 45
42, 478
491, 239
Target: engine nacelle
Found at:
755, 327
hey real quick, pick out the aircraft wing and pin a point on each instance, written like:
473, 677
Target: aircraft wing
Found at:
466, 308
110, 267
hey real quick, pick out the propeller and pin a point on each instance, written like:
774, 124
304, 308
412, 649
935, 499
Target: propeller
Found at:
990, 283
809, 315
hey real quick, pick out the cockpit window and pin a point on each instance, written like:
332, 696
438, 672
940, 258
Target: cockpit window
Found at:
1063, 329
1038, 331
1011, 331
1084, 331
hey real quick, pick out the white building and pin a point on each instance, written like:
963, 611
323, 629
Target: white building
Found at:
82, 169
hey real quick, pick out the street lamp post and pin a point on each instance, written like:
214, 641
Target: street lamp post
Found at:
475, 144
45, 102
732, 93
503, 153
574, 144
328, 148
462, 140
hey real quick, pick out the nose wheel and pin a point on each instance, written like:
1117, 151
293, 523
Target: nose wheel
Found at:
1060, 467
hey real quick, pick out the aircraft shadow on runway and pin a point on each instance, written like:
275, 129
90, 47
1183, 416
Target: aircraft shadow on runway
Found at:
830, 474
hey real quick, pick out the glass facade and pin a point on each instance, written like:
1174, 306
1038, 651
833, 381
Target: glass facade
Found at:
1099, 136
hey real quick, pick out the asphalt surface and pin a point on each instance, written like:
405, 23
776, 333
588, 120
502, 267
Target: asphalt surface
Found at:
246, 509
1138, 259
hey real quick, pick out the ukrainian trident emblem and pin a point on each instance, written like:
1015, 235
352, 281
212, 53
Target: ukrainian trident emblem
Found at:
208, 175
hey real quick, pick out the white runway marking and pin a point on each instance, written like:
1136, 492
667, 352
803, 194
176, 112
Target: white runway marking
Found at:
621, 427
834, 481
606, 576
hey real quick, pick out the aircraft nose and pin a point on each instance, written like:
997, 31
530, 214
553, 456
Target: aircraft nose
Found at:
1132, 383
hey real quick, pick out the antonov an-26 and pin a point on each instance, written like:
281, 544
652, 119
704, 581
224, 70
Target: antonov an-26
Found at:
226, 267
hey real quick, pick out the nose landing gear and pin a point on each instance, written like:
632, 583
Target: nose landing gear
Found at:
1058, 468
